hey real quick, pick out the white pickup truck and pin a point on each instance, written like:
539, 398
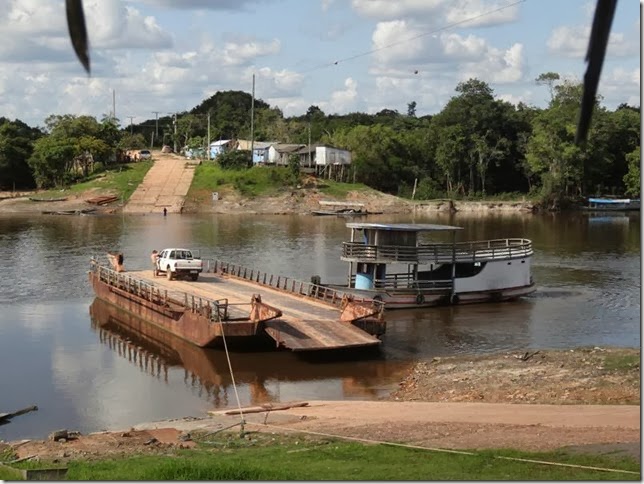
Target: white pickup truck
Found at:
179, 263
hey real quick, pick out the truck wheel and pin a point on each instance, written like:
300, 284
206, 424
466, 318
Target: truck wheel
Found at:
194, 277
168, 273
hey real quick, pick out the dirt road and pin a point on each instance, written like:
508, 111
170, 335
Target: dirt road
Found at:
164, 186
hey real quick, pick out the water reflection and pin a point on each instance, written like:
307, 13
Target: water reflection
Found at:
155, 352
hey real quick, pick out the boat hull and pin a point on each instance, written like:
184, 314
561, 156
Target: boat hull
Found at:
429, 298
191, 326
500, 280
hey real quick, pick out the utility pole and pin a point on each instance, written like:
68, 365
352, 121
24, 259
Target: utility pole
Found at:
208, 145
252, 122
114, 105
309, 142
156, 123
131, 127
175, 132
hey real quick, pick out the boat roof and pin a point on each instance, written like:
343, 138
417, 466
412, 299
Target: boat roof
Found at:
611, 200
403, 227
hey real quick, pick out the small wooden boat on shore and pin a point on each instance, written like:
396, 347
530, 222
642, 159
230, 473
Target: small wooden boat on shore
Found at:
82, 211
389, 263
60, 199
343, 209
103, 200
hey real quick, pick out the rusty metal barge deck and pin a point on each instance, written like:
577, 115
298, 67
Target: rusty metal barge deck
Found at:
231, 301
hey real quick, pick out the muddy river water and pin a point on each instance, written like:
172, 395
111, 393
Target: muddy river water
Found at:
67, 353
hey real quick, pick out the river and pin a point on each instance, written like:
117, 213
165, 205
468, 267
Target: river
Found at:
85, 372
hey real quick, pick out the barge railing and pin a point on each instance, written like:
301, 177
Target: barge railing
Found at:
216, 310
479, 251
407, 281
310, 290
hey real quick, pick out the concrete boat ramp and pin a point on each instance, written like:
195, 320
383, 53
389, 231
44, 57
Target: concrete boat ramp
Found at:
322, 322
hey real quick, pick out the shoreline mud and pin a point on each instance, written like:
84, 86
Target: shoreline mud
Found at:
295, 202
585, 399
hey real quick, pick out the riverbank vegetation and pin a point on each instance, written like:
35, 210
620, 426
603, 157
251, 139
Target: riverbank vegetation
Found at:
477, 146
120, 180
265, 456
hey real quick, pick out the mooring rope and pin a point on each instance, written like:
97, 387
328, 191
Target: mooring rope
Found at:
232, 376
449, 451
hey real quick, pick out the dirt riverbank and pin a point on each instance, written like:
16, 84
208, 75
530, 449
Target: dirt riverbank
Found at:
586, 400
296, 201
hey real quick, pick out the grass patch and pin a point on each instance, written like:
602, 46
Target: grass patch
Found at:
341, 190
9, 474
251, 182
621, 362
335, 460
120, 180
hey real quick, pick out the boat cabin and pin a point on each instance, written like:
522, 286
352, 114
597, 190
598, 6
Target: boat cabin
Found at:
390, 262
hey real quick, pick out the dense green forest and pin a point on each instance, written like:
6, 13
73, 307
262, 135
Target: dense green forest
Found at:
477, 146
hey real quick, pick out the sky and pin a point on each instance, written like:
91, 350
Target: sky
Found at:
344, 56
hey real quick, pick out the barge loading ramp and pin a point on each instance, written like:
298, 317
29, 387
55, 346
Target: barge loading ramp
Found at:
305, 325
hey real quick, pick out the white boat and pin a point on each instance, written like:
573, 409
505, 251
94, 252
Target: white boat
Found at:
388, 262
613, 204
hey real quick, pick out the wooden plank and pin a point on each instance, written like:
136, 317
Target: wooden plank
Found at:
9, 415
318, 335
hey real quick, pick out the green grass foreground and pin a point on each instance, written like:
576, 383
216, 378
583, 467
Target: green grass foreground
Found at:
297, 458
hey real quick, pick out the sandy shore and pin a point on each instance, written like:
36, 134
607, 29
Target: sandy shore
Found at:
297, 201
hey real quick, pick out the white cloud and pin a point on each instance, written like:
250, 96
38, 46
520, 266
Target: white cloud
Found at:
327, 4
470, 56
204, 4
477, 13
240, 53
439, 13
342, 100
386, 9
498, 66
112, 25
572, 41
621, 85
397, 42
515, 99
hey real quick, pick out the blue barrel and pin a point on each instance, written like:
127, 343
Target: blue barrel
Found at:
364, 281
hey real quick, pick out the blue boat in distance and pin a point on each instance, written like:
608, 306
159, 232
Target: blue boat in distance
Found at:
613, 204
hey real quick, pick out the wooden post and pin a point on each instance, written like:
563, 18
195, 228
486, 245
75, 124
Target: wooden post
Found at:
453, 265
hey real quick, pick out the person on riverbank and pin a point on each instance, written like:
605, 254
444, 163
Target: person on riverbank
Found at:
154, 258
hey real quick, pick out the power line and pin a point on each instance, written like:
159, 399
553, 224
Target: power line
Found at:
418, 36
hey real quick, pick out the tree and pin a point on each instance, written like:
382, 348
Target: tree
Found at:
234, 160
16, 146
411, 109
72, 143
449, 152
294, 168
632, 179
51, 161
551, 151
549, 79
